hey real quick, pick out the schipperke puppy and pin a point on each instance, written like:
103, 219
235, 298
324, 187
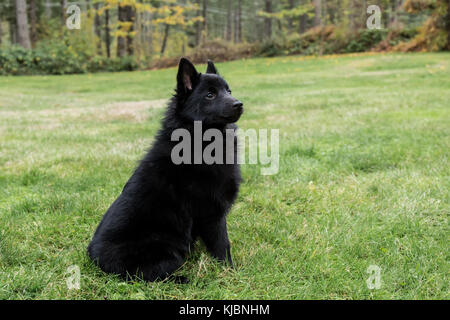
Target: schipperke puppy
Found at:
164, 207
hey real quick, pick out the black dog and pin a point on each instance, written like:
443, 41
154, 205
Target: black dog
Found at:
164, 207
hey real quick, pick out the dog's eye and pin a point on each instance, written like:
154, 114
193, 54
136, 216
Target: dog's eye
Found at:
229, 91
210, 95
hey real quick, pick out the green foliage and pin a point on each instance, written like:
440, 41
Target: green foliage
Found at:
15, 60
365, 40
434, 34
47, 58
100, 63
55, 57
331, 40
272, 48
322, 40
217, 50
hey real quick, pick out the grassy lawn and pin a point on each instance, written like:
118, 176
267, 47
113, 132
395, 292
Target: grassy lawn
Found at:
363, 179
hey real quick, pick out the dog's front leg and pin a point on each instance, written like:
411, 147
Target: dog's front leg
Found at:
215, 236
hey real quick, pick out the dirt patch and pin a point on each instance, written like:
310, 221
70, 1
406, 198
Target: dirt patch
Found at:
135, 111
130, 110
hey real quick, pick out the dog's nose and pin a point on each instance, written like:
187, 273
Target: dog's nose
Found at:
237, 104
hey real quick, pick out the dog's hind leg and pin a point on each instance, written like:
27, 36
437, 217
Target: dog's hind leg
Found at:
158, 270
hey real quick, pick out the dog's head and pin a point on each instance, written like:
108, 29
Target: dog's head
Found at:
205, 97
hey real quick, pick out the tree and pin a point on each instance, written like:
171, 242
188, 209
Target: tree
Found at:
33, 22
12, 22
125, 30
23, 35
1, 31
302, 22
131, 16
201, 24
198, 33
395, 6
268, 19
290, 20
166, 36
63, 5
229, 29
107, 34
434, 35
205, 17
238, 23
97, 28
121, 44
317, 13
289, 14
48, 9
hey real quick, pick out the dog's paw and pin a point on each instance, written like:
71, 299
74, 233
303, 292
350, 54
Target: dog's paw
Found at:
180, 279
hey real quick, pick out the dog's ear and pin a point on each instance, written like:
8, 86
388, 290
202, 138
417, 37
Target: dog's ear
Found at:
211, 68
187, 77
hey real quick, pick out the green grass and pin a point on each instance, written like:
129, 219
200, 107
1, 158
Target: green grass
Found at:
363, 180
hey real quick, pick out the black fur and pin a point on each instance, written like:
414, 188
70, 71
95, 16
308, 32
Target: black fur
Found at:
165, 207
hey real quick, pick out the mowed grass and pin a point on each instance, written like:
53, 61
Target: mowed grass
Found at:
363, 179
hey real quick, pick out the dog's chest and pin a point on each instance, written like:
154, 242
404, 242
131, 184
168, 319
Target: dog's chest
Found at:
214, 192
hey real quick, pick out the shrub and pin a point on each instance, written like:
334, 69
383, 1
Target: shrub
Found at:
47, 58
365, 40
100, 63
396, 39
322, 40
272, 48
55, 57
216, 50
15, 60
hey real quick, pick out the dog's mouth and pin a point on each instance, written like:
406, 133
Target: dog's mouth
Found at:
233, 117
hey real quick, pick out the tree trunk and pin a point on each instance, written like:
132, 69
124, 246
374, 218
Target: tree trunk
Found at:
317, 13
447, 25
198, 31
143, 32
121, 44
238, 23
62, 4
205, 18
268, 21
149, 34
125, 44
107, 34
97, 28
201, 26
396, 5
23, 35
229, 30
290, 20
302, 23
1, 31
12, 26
131, 16
166, 36
48, 9
332, 13
33, 22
